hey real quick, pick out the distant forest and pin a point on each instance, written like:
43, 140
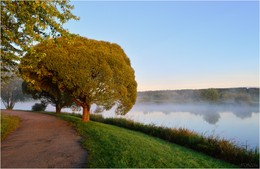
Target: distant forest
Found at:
216, 96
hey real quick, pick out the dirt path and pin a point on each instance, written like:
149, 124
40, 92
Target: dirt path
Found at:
41, 141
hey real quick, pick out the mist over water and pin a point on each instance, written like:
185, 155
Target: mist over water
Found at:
236, 122
239, 123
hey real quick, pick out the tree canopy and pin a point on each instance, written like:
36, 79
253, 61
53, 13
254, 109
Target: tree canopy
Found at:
26, 22
55, 97
93, 72
211, 95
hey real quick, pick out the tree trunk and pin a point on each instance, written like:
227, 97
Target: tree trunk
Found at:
9, 107
58, 108
85, 116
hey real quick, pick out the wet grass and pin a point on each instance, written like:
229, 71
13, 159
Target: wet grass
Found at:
213, 146
109, 146
8, 125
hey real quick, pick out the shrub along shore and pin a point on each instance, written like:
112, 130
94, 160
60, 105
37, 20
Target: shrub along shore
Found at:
213, 146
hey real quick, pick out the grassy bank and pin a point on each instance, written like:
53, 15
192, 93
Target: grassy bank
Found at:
213, 146
8, 124
116, 147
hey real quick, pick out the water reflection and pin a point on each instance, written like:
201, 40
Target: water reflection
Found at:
239, 123
212, 118
210, 113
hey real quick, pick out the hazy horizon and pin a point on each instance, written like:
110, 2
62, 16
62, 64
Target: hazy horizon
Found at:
198, 88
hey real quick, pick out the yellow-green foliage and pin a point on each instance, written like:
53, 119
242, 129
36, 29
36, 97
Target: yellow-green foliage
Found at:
93, 72
26, 22
8, 124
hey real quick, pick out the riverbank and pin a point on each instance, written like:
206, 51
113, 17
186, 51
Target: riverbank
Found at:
110, 146
212, 146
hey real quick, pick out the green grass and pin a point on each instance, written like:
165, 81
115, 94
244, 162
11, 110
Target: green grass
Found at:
8, 124
212, 146
115, 147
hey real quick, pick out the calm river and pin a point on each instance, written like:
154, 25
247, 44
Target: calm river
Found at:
239, 123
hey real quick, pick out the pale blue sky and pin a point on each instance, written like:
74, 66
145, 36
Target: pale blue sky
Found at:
179, 45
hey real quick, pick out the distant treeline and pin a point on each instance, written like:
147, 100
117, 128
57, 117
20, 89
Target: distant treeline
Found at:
212, 95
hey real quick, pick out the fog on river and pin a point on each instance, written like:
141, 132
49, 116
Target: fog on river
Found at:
238, 123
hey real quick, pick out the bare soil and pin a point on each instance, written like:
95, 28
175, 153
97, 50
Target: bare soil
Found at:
42, 141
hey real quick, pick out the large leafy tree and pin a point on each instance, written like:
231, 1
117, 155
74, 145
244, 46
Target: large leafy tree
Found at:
54, 97
11, 92
93, 72
26, 22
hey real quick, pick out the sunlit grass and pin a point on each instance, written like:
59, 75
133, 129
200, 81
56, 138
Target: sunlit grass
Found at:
115, 147
8, 124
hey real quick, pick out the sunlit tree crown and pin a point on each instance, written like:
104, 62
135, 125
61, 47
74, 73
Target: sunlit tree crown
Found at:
93, 72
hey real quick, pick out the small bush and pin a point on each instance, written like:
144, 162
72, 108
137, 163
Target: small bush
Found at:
39, 107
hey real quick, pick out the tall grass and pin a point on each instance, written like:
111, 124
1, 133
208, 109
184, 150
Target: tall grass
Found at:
213, 146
